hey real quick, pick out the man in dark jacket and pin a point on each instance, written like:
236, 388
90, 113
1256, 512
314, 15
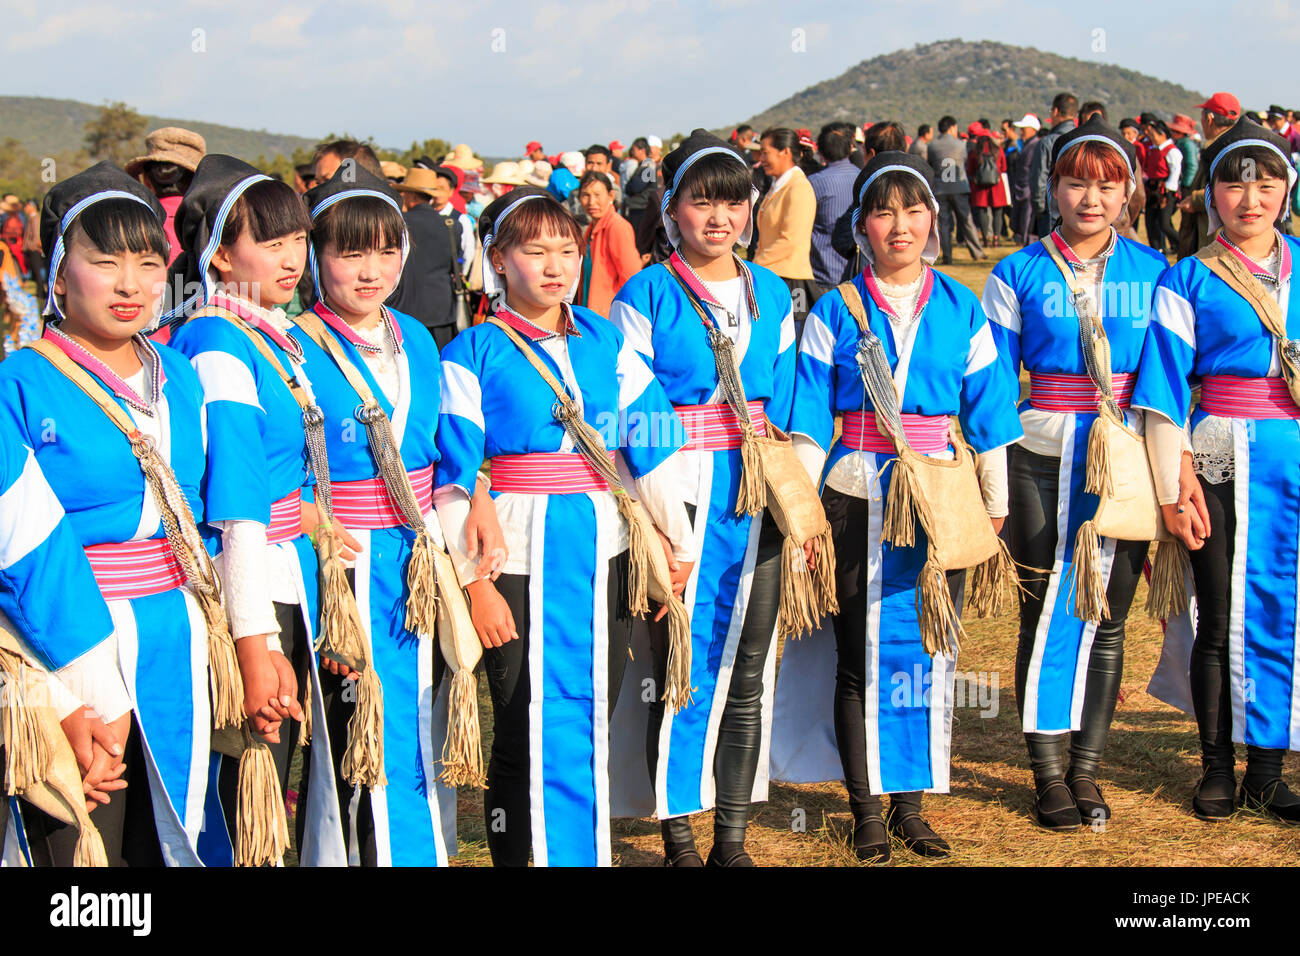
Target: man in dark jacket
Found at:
947, 157
1065, 112
425, 292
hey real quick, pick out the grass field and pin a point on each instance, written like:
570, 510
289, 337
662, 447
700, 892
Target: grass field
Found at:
1150, 769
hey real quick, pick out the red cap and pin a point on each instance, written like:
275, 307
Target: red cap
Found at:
976, 129
528, 150
616, 147
1225, 104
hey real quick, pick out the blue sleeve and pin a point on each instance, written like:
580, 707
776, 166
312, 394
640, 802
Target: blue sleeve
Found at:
236, 486
1169, 350
989, 391
630, 313
649, 429
461, 434
813, 411
47, 590
1002, 307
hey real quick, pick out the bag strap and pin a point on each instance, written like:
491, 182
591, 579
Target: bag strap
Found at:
81, 378
724, 355
873, 366
1220, 260
1092, 333
315, 330
452, 226
379, 430
586, 440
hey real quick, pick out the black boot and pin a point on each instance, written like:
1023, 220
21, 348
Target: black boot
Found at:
870, 836
1054, 806
1263, 790
729, 854
905, 822
1093, 809
1214, 793
679, 843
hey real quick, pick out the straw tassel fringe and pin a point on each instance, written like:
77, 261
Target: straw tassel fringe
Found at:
462, 753
262, 829
1167, 594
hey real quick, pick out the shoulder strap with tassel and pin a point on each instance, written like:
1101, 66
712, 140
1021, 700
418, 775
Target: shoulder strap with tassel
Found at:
421, 606
588, 443
1088, 583
752, 496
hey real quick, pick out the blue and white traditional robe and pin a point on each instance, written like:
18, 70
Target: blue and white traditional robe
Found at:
660, 323
48, 595
1034, 323
1201, 327
952, 369
495, 403
161, 638
256, 456
414, 816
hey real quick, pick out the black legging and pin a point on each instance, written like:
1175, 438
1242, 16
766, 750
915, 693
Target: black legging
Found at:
1211, 685
848, 518
506, 802
740, 731
1034, 494
293, 644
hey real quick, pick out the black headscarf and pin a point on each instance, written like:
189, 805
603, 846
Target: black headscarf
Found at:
350, 180
1244, 132
218, 183
699, 144
892, 160
66, 200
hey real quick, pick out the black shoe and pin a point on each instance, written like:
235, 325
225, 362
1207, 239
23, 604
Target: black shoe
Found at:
871, 839
915, 833
729, 854
1214, 795
1274, 798
1053, 810
678, 855
1087, 797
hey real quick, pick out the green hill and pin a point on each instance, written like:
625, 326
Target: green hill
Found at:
49, 127
971, 80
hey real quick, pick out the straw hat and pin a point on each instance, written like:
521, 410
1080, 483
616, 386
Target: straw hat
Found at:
463, 157
393, 170
506, 173
418, 180
171, 144
541, 174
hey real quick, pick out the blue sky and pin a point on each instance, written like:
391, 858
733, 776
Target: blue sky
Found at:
500, 72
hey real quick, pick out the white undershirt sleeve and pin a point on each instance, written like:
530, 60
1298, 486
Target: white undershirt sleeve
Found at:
661, 491
991, 467
95, 678
245, 580
1165, 446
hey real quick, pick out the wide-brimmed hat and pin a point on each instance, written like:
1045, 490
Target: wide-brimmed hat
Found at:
540, 175
505, 173
418, 180
1182, 123
463, 157
170, 144
392, 170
